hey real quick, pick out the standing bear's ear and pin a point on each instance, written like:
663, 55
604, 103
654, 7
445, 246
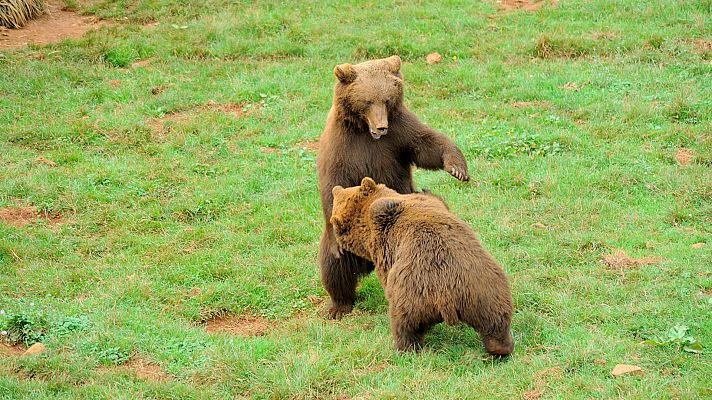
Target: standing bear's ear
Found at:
393, 63
345, 72
336, 189
368, 185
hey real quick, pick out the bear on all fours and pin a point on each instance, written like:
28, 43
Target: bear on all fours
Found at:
370, 132
430, 264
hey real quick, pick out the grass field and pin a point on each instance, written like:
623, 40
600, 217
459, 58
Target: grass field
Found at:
159, 213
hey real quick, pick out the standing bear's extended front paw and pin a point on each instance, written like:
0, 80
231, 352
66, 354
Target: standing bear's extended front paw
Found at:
455, 165
458, 171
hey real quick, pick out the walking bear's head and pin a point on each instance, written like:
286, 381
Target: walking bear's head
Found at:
360, 212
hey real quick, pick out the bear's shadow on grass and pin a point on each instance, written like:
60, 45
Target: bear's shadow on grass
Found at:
441, 338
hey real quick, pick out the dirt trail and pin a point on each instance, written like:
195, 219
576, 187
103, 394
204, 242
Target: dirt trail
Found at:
56, 25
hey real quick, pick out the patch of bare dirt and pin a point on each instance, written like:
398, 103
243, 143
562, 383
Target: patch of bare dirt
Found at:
624, 369
147, 370
21, 216
703, 45
238, 325
143, 63
7, 350
604, 35
238, 110
532, 394
156, 90
270, 150
56, 25
620, 260
45, 161
574, 86
525, 5
308, 145
541, 378
684, 156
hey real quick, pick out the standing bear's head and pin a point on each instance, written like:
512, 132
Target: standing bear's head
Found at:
370, 92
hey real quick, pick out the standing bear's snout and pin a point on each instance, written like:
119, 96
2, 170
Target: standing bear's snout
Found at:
377, 119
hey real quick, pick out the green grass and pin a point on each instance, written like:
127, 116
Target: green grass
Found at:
163, 193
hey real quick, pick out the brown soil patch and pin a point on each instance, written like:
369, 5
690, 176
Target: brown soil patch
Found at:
56, 25
525, 5
620, 260
703, 45
237, 110
21, 216
238, 325
147, 370
308, 145
574, 86
540, 380
684, 156
604, 35
532, 394
304, 145
143, 63
45, 161
7, 350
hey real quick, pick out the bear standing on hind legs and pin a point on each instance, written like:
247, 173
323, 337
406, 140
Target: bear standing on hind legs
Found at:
370, 132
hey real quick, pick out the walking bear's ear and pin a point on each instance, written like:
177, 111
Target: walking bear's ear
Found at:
368, 185
385, 211
394, 64
336, 189
345, 72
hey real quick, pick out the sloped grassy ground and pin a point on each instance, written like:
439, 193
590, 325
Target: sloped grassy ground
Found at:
184, 187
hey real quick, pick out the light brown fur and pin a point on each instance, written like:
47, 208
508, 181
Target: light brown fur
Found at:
370, 132
430, 263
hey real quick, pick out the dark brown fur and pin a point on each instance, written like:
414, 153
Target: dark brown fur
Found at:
369, 132
430, 263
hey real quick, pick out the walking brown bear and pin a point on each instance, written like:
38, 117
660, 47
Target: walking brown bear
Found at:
370, 132
429, 262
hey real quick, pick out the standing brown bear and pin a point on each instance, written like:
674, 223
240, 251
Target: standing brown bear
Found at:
430, 263
370, 132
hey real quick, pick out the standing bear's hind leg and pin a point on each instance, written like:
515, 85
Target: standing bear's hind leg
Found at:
339, 275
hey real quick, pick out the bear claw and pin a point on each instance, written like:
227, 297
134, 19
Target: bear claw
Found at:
338, 311
458, 174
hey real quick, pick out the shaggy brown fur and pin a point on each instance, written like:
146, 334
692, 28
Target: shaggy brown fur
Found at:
430, 263
369, 132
